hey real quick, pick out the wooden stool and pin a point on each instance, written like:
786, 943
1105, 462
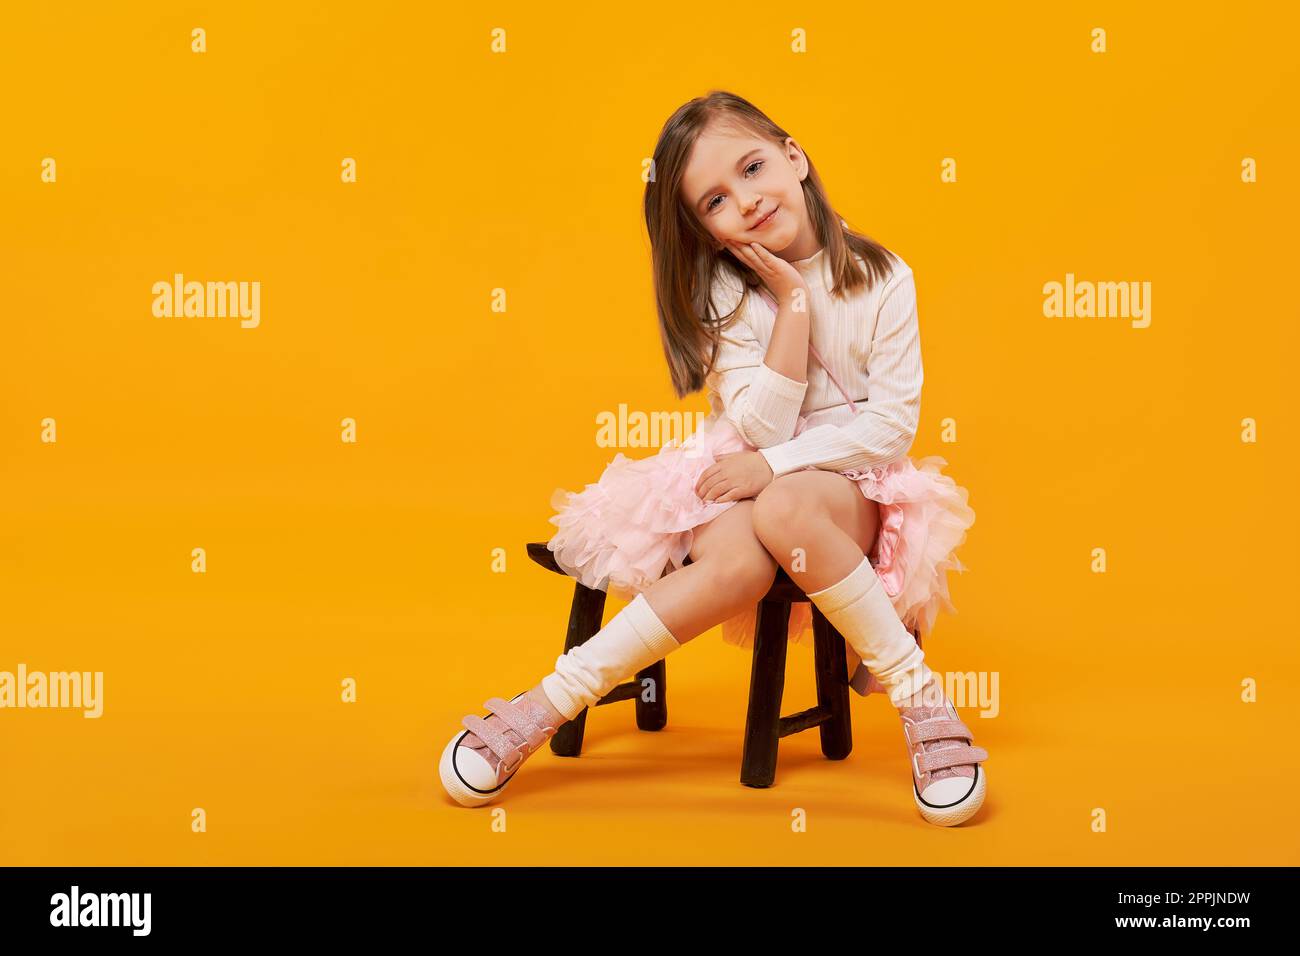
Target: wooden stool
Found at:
764, 725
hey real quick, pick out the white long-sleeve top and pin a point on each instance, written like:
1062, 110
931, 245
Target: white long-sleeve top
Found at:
871, 342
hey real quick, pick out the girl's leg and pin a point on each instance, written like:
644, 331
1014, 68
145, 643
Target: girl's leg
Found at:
824, 514
734, 571
730, 570
820, 527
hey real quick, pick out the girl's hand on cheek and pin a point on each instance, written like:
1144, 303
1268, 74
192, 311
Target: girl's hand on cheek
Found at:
735, 476
779, 276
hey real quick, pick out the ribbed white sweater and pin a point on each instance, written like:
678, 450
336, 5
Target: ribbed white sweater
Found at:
872, 343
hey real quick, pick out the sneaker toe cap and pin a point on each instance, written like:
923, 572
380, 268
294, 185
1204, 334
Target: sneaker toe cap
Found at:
949, 791
472, 768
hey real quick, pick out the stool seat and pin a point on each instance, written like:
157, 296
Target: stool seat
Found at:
764, 725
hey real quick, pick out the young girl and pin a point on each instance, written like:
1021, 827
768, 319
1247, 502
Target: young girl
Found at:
805, 335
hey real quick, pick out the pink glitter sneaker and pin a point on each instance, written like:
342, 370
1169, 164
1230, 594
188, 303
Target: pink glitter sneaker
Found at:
948, 784
480, 761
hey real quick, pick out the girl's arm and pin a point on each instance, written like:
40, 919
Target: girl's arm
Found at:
885, 428
761, 401
787, 353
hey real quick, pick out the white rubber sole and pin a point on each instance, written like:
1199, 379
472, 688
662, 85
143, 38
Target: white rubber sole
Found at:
954, 813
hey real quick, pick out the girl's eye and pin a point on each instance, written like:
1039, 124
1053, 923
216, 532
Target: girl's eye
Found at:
710, 207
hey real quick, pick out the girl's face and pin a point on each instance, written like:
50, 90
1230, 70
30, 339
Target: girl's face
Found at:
745, 189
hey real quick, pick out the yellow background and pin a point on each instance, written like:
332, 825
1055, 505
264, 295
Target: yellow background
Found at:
522, 171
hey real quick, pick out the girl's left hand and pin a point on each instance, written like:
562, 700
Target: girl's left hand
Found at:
735, 476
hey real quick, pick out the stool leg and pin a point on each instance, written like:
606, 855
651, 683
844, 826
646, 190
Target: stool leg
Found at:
766, 687
585, 615
653, 714
832, 687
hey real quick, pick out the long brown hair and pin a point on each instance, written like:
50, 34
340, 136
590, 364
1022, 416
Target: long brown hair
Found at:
685, 262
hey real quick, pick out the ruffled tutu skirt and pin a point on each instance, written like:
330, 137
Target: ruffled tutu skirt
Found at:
635, 524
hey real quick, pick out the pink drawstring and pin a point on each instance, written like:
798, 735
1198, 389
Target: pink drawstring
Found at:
771, 304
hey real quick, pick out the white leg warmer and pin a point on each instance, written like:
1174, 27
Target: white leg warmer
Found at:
632, 640
861, 611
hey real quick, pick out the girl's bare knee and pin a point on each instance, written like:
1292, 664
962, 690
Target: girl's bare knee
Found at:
779, 507
747, 574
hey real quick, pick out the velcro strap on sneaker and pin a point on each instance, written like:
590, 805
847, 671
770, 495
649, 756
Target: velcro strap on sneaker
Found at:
950, 757
518, 719
498, 743
936, 730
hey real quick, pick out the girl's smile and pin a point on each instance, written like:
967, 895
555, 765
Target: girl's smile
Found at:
766, 219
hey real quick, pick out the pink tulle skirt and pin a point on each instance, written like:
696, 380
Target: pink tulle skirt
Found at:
636, 523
